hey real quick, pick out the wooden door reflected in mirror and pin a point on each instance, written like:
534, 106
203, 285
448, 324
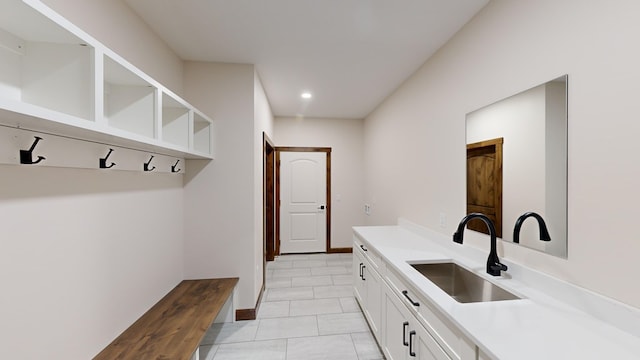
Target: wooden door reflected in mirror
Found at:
484, 183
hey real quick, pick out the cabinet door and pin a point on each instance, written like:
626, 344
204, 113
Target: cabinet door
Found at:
373, 298
358, 283
422, 346
395, 334
403, 337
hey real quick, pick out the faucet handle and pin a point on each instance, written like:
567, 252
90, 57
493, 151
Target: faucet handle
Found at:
457, 237
497, 267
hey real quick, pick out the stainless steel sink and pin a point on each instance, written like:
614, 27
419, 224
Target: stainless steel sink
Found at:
461, 284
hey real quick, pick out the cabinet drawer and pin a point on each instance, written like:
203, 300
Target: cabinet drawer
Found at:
404, 291
442, 330
369, 254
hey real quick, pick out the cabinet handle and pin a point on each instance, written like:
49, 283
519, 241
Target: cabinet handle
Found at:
361, 270
412, 333
363, 267
405, 325
363, 248
406, 294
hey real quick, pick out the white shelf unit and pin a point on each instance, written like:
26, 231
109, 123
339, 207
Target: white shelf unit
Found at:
202, 134
175, 121
57, 79
42, 64
129, 101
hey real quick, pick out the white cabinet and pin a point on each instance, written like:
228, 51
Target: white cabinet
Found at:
367, 287
373, 297
403, 335
358, 284
406, 325
56, 79
447, 336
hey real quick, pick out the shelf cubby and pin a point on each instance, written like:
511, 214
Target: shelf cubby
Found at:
175, 122
202, 134
129, 100
43, 64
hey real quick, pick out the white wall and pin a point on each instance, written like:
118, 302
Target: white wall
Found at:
345, 137
84, 254
220, 198
263, 123
115, 25
414, 141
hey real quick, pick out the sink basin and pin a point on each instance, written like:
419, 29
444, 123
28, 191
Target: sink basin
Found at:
461, 284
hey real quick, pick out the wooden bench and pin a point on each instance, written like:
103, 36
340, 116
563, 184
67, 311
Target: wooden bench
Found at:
174, 327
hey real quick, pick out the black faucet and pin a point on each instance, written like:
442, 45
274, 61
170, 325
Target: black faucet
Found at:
493, 263
544, 233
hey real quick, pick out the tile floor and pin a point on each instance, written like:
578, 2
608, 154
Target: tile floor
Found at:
308, 312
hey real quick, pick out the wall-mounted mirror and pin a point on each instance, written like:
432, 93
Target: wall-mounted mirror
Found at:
517, 163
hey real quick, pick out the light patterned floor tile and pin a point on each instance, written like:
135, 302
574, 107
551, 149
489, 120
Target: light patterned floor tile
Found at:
319, 256
278, 283
341, 323
349, 304
239, 331
308, 312
309, 263
330, 270
279, 264
294, 293
366, 346
288, 327
332, 291
342, 279
263, 350
340, 262
322, 280
336, 347
280, 273
273, 309
315, 307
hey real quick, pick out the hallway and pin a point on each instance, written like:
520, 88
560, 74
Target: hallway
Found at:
307, 312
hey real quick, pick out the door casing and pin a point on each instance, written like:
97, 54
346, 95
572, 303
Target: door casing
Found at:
280, 149
269, 230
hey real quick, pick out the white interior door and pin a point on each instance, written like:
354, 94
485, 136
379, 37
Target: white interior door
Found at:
303, 194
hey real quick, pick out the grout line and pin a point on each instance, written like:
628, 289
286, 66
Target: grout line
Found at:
286, 349
355, 349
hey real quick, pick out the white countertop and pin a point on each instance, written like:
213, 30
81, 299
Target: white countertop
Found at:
538, 326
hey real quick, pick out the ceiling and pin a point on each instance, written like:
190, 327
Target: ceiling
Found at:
349, 54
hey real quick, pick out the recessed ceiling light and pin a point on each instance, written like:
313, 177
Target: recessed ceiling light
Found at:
306, 95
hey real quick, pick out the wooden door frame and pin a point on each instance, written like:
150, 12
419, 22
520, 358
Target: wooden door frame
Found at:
326, 150
268, 198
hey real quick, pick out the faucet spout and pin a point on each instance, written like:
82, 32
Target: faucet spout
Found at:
493, 262
544, 233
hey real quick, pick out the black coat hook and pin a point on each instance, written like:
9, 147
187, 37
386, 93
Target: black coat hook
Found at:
173, 167
26, 156
103, 161
146, 165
